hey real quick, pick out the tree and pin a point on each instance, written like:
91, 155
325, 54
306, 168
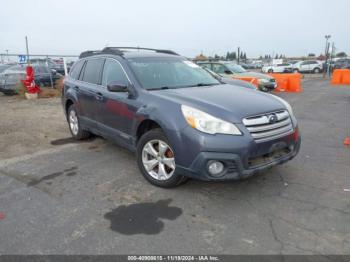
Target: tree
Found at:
311, 55
342, 54
276, 57
234, 55
281, 56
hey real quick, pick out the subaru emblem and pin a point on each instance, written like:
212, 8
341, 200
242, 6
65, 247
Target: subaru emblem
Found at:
272, 119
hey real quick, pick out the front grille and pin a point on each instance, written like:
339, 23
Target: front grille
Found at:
269, 126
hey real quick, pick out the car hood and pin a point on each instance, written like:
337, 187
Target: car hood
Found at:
254, 74
228, 102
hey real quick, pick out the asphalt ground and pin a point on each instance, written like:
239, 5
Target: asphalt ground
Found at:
90, 198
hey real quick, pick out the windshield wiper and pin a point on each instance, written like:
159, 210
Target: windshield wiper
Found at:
203, 84
159, 88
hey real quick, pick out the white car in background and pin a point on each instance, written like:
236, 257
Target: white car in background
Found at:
278, 68
310, 66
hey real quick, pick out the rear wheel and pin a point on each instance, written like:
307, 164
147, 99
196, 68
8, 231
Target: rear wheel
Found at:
156, 160
74, 125
316, 71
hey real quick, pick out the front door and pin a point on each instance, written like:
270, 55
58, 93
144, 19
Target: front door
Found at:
117, 110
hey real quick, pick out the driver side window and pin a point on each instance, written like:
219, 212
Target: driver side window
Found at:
219, 69
113, 72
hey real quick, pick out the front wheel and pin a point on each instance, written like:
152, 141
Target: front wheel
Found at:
156, 160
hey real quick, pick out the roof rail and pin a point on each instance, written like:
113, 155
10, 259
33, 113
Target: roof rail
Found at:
170, 52
89, 53
118, 51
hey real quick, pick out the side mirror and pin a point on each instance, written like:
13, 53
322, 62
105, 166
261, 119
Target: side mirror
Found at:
117, 87
228, 72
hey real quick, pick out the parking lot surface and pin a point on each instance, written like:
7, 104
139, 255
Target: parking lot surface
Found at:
61, 197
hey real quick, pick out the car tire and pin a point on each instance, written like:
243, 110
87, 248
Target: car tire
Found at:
9, 93
75, 128
264, 89
148, 153
316, 70
295, 71
270, 71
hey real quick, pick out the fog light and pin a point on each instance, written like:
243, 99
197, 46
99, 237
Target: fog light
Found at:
215, 167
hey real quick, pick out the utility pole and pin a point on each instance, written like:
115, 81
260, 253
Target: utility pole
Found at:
326, 54
331, 59
7, 54
27, 50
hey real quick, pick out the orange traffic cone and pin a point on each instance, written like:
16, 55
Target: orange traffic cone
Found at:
347, 141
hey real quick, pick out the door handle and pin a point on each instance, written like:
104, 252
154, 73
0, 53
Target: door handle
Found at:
99, 95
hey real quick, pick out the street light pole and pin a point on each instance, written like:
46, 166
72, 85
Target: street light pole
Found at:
238, 54
7, 54
27, 49
326, 54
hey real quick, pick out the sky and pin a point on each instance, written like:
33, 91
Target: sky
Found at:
189, 27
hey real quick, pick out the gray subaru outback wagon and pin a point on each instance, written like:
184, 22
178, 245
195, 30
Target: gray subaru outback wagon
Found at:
178, 119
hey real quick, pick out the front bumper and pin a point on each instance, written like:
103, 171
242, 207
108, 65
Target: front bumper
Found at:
8, 89
244, 160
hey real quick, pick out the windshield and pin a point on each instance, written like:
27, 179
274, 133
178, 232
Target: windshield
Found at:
3, 67
235, 68
16, 68
162, 73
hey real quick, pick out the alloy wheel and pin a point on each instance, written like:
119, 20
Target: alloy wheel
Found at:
73, 122
158, 159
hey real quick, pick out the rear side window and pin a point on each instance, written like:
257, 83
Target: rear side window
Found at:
76, 69
92, 71
206, 66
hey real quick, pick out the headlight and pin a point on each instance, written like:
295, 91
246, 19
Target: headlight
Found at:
286, 104
207, 123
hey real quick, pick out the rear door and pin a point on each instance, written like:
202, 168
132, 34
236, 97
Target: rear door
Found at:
313, 65
279, 68
89, 90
